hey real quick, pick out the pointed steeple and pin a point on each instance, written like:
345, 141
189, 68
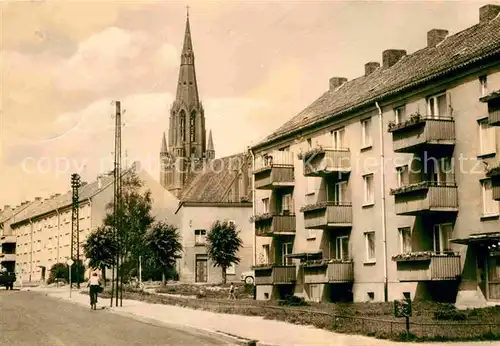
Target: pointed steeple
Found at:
164, 147
187, 88
210, 144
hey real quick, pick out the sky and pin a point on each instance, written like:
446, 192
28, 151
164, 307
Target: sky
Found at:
258, 63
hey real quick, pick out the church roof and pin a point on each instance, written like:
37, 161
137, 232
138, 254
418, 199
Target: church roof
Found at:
458, 51
213, 183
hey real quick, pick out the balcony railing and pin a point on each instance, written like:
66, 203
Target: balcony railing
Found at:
273, 274
426, 197
326, 214
7, 239
268, 225
427, 266
7, 257
493, 101
324, 272
274, 170
320, 162
423, 132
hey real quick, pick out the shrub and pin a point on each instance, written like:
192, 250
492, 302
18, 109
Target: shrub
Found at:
292, 300
449, 313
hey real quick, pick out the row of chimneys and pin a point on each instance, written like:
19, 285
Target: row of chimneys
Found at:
434, 37
7, 206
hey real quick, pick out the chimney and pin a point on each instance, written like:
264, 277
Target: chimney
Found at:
6, 207
370, 67
57, 195
38, 198
392, 56
99, 182
487, 13
435, 36
335, 82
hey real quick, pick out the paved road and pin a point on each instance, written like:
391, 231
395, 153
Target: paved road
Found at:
28, 318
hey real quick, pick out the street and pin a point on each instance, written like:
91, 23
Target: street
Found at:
28, 318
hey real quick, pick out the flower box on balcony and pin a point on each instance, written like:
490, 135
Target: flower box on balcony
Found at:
261, 217
324, 262
414, 120
310, 152
421, 256
263, 266
315, 206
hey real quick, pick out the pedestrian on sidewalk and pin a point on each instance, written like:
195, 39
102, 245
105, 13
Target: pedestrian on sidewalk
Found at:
94, 285
231, 292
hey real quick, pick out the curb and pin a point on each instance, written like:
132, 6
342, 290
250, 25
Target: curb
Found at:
233, 339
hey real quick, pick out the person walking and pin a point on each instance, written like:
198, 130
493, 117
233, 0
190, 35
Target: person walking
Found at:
231, 292
94, 285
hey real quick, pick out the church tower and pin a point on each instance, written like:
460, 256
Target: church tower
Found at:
187, 145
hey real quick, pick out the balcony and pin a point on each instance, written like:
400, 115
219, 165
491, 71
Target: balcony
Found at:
494, 174
327, 214
420, 133
321, 162
427, 266
324, 272
7, 257
493, 101
275, 275
8, 239
426, 198
267, 225
274, 171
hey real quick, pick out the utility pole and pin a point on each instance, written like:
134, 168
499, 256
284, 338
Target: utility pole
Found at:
75, 229
117, 204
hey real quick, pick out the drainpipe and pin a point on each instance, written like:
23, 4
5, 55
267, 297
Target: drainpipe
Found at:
382, 190
253, 210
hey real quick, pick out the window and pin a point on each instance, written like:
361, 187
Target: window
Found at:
338, 138
342, 248
490, 206
231, 270
200, 236
309, 143
399, 114
340, 192
286, 204
487, 138
183, 126
368, 188
370, 246
405, 240
440, 171
286, 249
265, 205
366, 133
437, 106
402, 175
442, 236
266, 253
192, 126
483, 83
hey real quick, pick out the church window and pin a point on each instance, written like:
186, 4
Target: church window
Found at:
192, 126
183, 126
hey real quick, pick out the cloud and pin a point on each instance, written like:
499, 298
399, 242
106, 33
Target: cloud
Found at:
115, 56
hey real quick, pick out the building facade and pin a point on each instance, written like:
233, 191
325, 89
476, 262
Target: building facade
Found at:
187, 147
369, 192
221, 192
41, 232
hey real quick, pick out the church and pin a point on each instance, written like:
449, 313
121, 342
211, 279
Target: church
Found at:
207, 188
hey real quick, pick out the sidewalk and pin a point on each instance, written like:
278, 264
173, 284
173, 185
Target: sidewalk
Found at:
266, 332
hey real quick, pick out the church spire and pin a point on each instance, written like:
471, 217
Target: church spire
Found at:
210, 146
187, 88
164, 147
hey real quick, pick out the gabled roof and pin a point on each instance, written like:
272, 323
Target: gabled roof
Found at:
213, 183
457, 51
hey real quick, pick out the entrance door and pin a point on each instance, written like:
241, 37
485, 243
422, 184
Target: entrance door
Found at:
201, 268
494, 275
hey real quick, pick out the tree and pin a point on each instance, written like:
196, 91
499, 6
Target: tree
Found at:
100, 248
134, 214
163, 242
223, 243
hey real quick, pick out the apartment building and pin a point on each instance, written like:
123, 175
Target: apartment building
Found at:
386, 185
41, 232
220, 192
